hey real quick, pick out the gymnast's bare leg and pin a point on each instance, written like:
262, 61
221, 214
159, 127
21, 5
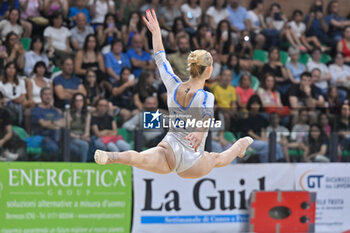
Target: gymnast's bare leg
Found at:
161, 159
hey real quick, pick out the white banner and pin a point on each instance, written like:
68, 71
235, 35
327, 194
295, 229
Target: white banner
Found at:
217, 202
331, 182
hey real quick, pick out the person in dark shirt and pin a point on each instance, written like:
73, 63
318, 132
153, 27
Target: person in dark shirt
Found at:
104, 129
316, 145
144, 88
342, 126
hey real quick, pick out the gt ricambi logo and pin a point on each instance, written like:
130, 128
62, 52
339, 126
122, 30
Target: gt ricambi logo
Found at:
152, 120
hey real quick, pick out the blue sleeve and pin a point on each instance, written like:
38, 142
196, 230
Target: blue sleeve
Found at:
57, 81
16, 4
126, 60
57, 115
108, 61
72, 12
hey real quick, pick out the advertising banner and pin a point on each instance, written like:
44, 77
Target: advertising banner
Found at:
217, 202
331, 182
64, 197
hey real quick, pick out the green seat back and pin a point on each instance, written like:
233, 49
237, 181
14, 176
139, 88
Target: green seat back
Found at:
126, 134
229, 136
304, 58
260, 55
284, 57
26, 43
325, 58
255, 83
20, 132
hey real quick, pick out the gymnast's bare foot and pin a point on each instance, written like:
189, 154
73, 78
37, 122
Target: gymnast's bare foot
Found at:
104, 157
243, 144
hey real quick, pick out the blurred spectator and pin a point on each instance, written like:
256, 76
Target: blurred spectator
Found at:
105, 129
124, 8
79, 118
244, 91
343, 45
217, 12
3, 55
6, 5
233, 64
216, 65
275, 67
116, 60
177, 31
269, 96
256, 22
90, 57
323, 122
340, 72
224, 41
225, 95
123, 94
47, 122
80, 6
203, 38
134, 27
152, 137
315, 62
192, 15
299, 29
99, 9
342, 126
15, 50
31, 18
316, 24
294, 66
57, 38
336, 22
254, 126
12, 24
93, 90
151, 4
144, 88
237, 15
168, 13
80, 31
140, 59
333, 101
316, 145
108, 31
66, 84
34, 55
53, 6
178, 60
14, 91
300, 130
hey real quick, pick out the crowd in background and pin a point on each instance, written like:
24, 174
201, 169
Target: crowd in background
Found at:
87, 66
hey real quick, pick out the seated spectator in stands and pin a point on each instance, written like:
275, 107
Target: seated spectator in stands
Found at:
108, 31
34, 55
116, 60
66, 84
124, 9
79, 119
151, 4
305, 95
281, 134
333, 102
144, 88
123, 94
14, 91
237, 16
90, 57
3, 55
178, 60
203, 39
343, 45
93, 90
104, 129
31, 15
275, 67
315, 76
47, 122
244, 91
167, 14
342, 126
294, 66
256, 23
177, 31
225, 95
6, 5
15, 50
233, 64
217, 67
254, 126
340, 72
217, 12
99, 9
135, 27
140, 59
192, 15
80, 6
317, 24
36, 83
268, 93
152, 138
224, 41
12, 24
315, 62
80, 31
336, 22
323, 122
53, 6
316, 145
57, 37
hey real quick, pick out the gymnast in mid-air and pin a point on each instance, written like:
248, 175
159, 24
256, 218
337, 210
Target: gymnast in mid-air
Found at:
182, 150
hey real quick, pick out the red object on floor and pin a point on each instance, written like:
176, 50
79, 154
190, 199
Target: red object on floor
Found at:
282, 212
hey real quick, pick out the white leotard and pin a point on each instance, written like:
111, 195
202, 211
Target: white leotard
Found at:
201, 105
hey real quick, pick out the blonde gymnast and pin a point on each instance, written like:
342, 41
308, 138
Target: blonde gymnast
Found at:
180, 151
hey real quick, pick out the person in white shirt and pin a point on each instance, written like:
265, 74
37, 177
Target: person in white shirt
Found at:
34, 55
12, 24
99, 9
216, 12
340, 72
256, 22
191, 13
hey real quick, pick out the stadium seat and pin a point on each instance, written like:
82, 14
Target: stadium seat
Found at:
26, 43
229, 136
304, 58
260, 55
22, 134
325, 58
128, 136
255, 83
345, 156
284, 57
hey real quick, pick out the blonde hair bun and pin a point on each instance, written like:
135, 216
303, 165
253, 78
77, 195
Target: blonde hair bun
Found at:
198, 60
